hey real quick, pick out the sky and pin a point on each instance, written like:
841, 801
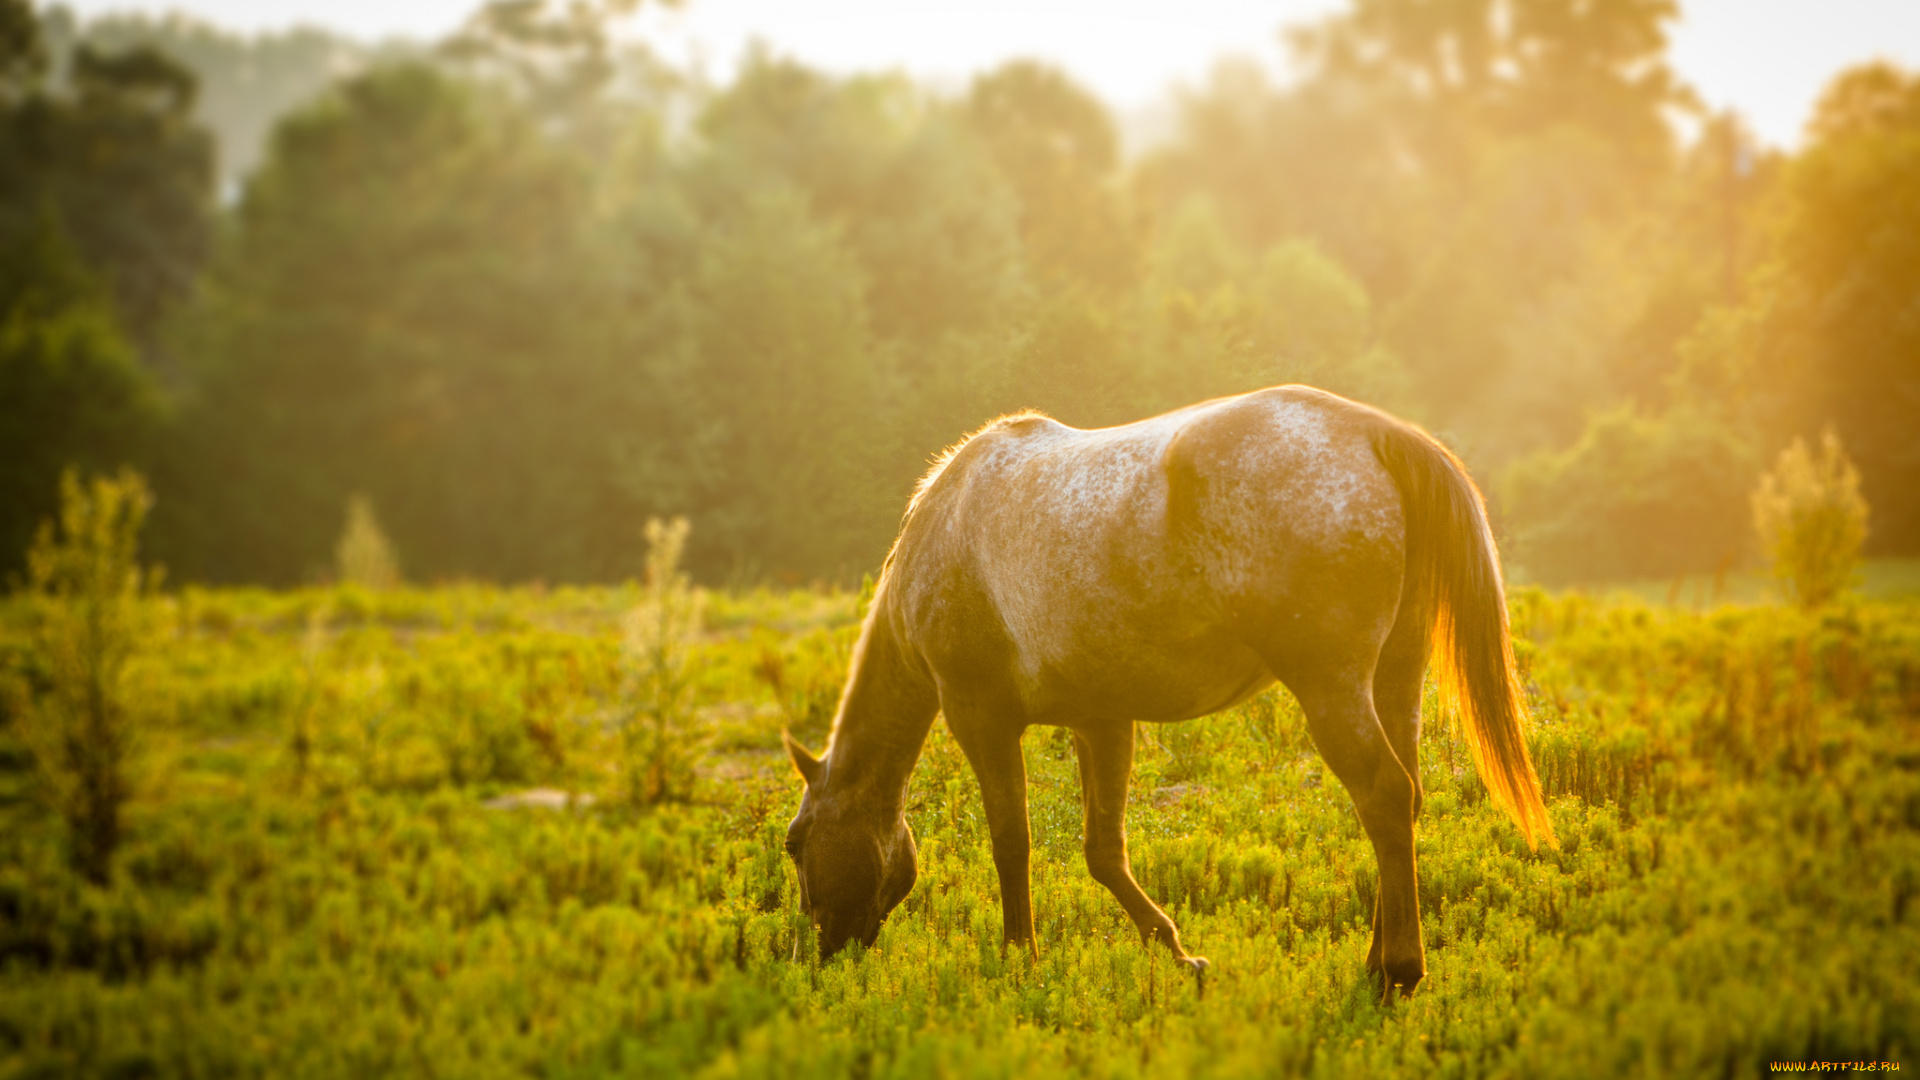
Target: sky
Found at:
1767, 59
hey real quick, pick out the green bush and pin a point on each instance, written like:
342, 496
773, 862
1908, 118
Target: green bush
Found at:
1812, 520
85, 587
364, 556
1637, 496
660, 737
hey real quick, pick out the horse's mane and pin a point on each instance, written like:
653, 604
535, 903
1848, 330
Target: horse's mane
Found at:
937, 468
945, 457
883, 585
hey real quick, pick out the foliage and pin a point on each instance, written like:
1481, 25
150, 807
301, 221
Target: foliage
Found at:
1848, 242
660, 739
1734, 792
558, 57
71, 391
364, 556
806, 674
247, 82
83, 722
114, 154
850, 264
1228, 321
779, 315
103, 222
399, 316
1824, 334
1459, 159
532, 287
1812, 520
1057, 148
22, 54
1636, 496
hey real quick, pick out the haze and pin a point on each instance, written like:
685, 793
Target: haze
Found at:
1765, 58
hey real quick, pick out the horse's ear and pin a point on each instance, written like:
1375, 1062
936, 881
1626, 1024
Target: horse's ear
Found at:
807, 765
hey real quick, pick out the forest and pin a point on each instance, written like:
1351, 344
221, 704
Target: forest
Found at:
434, 474
524, 289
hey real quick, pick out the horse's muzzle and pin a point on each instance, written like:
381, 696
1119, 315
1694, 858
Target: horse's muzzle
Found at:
836, 935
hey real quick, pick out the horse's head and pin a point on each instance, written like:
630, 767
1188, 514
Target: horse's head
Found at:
856, 861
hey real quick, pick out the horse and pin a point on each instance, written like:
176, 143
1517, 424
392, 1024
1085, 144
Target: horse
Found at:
1160, 571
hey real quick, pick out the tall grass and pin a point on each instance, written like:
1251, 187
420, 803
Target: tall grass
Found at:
1737, 794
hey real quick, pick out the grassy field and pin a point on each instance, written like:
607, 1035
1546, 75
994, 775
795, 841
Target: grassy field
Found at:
1877, 579
325, 874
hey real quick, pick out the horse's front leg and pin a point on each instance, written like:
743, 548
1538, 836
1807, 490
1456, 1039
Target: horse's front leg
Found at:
994, 752
1105, 751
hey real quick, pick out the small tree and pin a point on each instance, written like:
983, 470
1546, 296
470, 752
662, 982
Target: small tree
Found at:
364, 556
659, 743
84, 585
1812, 520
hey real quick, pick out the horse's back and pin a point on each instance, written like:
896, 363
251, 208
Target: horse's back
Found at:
1283, 482
1145, 562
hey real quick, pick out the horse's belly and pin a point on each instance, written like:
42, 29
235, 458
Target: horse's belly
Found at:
1151, 678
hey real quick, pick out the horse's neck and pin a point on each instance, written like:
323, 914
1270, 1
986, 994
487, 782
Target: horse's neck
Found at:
884, 717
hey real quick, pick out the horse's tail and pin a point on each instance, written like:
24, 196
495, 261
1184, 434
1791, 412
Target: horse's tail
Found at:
1453, 578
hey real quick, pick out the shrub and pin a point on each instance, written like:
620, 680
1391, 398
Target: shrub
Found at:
1812, 520
659, 741
84, 586
364, 556
1636, 496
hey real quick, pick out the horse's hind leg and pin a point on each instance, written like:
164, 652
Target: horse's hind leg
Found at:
1357, 747
1105, 751
1397, 686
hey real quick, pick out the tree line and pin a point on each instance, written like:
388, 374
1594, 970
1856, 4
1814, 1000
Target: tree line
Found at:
526, 289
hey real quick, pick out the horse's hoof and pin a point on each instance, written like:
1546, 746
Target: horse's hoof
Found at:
1386, 984
1406, 978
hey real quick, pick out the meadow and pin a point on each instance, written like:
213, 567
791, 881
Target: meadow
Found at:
327, 871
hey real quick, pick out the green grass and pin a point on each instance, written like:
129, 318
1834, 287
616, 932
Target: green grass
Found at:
1737, 792
1878, 579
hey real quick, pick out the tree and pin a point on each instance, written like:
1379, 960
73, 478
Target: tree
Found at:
560, 62
1466, 160
71, 391
23, 57
407, 309
245, 81
917, 201
1225, 323
1453, 72
1058, 150
841, 270
1823, 332
774, 437
120, 162
1848, 251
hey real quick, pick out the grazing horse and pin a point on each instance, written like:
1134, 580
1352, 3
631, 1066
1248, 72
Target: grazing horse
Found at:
1161, 571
